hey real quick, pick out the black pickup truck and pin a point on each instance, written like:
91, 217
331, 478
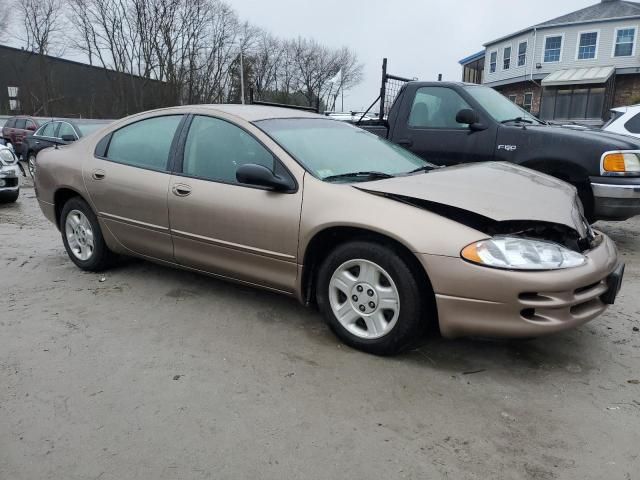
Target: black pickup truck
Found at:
449, 123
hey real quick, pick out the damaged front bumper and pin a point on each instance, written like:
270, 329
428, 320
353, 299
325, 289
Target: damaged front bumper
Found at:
504, 303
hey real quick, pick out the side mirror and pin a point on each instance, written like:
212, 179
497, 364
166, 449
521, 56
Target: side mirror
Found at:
68, 138
261, 176
467, 116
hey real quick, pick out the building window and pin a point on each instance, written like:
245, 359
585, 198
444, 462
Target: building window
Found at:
528, 101
522, 54
506, 58
573, 103
512, 98
625, 45
587, 45
14, 102
552, 48
493, 60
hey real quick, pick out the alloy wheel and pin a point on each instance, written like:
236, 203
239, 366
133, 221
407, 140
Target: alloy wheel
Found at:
79, 233
32, 165
364, 299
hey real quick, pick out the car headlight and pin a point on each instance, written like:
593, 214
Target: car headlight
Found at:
514, 253
620, 163
7, 157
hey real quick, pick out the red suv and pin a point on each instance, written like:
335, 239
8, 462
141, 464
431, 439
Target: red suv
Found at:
17, 128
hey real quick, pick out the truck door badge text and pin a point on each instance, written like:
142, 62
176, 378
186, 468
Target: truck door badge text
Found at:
508, 148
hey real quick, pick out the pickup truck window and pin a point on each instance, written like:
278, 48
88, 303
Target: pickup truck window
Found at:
437, 107
499, 106
328, 148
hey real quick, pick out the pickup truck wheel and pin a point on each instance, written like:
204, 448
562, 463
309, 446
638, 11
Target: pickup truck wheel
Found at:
370, 298
82, 236
9, 197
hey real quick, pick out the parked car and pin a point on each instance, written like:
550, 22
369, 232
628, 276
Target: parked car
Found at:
624, 120
16, 129
385, 243
57, 132
450, 123
9, 175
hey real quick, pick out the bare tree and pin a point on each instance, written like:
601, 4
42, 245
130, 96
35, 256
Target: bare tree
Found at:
193, 48
4, 23
42, 24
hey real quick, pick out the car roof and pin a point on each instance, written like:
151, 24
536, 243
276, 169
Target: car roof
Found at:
253, 113
250, 113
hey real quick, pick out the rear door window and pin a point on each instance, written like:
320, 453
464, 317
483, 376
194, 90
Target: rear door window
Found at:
10, 123
21, 123
144, 144
66, 129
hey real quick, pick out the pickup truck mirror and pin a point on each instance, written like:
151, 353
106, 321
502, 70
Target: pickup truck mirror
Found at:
467, 116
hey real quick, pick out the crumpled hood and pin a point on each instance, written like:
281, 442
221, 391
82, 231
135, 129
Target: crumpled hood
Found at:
497, 190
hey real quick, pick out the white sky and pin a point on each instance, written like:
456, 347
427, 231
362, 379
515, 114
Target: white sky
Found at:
421, 38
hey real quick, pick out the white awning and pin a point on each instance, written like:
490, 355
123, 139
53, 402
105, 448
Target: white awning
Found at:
577, 76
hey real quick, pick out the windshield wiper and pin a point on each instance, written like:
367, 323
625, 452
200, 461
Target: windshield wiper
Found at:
517, 119
424, 168
371, 174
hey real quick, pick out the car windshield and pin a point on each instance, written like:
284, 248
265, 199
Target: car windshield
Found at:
498, 106
332, 150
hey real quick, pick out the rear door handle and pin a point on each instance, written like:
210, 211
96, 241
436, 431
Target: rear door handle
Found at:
405, 142
98, 174
181, 190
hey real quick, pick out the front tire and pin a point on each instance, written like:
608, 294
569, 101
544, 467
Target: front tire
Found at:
371, 299
82, 236
9, 197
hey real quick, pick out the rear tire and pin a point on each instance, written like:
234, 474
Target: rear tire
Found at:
31, 163
82, 236
371, 299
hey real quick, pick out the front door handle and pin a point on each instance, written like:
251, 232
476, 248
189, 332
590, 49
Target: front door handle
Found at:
405, 142
181, 190
98, 174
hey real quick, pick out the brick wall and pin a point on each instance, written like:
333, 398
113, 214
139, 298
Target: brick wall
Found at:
519, 89
627, 90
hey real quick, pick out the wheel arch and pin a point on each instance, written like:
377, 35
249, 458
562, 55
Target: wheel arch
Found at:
327, 239
62, 196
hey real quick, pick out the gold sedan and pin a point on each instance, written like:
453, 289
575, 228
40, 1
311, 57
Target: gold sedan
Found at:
383, 242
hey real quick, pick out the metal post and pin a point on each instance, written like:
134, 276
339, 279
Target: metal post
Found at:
439, 77
383, 87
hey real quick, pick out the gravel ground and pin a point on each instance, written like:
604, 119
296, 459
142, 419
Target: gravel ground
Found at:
151, 373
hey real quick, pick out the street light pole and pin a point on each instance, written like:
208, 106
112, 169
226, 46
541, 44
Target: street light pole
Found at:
241, 77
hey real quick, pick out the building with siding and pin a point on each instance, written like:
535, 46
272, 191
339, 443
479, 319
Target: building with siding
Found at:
572, 68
